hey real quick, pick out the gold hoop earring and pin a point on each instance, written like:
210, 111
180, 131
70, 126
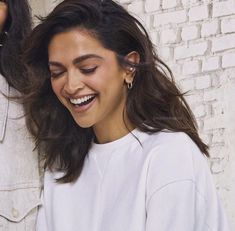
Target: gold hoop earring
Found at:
129, 86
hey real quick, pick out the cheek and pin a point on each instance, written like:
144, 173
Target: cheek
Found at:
56, 87
107, 80
3, 15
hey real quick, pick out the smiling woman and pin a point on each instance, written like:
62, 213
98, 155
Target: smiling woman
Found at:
120, 144
83, 81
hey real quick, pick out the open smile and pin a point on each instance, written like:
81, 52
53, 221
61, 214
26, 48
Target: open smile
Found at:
83, 103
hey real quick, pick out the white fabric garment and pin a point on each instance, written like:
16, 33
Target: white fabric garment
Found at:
163, 185
19, 170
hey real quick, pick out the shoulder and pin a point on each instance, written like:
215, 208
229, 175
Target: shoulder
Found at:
174, 157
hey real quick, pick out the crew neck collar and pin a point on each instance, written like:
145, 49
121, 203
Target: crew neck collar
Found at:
129, 138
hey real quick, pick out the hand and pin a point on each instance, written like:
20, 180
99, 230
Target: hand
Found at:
3, 14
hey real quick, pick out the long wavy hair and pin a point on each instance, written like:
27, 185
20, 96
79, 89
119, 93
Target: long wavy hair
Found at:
153, 104
15, 30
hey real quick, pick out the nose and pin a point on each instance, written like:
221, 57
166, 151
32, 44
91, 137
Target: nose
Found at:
73, 83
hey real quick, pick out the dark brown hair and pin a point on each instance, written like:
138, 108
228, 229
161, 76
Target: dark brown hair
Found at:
153, 104
16, 28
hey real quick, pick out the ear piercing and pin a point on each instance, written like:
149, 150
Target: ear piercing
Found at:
131, 69
129, 85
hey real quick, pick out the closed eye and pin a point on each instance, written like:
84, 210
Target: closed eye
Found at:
88, 70
56, 74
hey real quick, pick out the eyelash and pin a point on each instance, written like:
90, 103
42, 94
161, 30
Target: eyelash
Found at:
55, 75
88, 71
84, 71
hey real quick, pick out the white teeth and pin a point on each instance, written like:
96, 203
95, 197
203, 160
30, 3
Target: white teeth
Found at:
81, 100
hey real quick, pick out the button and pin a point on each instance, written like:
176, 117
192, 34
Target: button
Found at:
15, 213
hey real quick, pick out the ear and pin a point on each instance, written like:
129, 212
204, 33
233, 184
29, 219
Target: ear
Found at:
132, 57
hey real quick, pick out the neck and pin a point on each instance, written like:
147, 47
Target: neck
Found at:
109, 132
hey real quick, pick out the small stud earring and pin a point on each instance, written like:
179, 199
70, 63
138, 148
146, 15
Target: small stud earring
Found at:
131, 69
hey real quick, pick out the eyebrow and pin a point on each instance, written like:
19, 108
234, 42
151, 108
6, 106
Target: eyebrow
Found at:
76, 60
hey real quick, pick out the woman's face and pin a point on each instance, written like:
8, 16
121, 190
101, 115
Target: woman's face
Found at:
3, 14
87, 78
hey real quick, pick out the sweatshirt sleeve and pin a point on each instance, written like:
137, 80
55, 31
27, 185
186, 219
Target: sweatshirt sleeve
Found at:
176, 206
181, 194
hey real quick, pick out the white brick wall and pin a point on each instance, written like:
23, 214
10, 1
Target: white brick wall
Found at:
211, 63
224, 42
223, 8
228, 25
228, 60
209, 28
197, 40
198, 13
190, 33
192, 50
169, 4
169, 36
170, 17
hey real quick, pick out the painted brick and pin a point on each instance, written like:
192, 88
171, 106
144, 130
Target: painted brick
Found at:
223, 8
154, 37
152, 5
206, 138
189, 33
175, 69
169, 4
188, 3
170, 17
203, 82
169, 36
148, 21
211, 64
187, 84
136, 7
228, 60
199, 111
191, 50
191, 67
217, 137
166, 53
214, 123
194, 98
216, 166
124, 1
210, 28
199, 122
218, 108
212, 94
223, 43
198, 13
228, 25
217, 151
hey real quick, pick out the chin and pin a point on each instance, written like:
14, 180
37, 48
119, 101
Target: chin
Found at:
83, 124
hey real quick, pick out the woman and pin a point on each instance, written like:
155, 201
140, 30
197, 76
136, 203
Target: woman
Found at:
119, 141
19, 176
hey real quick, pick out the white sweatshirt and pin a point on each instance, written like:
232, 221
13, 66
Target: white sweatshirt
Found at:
165, 185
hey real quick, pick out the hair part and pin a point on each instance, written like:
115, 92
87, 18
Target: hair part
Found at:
153, 104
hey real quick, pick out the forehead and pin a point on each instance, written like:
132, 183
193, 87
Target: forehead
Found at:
66, 47
74, 40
